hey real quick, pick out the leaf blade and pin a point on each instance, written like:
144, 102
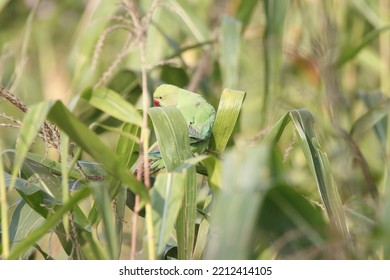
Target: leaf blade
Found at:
32, 122
113, 104
173, 139
95, 147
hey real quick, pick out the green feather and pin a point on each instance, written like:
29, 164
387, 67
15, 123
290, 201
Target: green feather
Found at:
198, 114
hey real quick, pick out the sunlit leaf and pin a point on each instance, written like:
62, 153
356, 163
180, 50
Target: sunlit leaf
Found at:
113, 104
229, 41
166, 197
92, 144
227, 114
172, 136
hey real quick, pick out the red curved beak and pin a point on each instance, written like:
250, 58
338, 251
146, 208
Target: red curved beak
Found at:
156, 103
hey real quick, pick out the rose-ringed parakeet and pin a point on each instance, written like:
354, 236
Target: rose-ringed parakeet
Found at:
198, 114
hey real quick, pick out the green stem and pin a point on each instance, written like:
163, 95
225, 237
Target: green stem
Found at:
4, 212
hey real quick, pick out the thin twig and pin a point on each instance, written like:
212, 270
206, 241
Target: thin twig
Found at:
102, 38
133, 12
145, 130
114, 65
141, 28
122, 19
11, 119
74, 237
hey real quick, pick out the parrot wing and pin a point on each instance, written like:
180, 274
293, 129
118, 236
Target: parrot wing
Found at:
199, 116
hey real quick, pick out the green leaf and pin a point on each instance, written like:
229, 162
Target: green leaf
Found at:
126, 149
126, 83
92, 144
203, 231
32, 122
354, 51
3, 3
113, 104
385, 211
50, 222
4, 226
64, 151
80, 219
214, 171
275, 12
103, 204
92, 249
227, 114
181, 50
94, 20
371, 100
36, 197
317, 161
172, 135
166, 198
93, 169
24, 221
43, 253
246, 177
245, 11
285, 211
195, 25
54, 167
229, 41
174, 76
38, 173
173, 140
119, 212
367, 121
41, 202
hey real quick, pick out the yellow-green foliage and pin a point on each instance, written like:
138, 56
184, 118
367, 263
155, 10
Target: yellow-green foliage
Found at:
297, 163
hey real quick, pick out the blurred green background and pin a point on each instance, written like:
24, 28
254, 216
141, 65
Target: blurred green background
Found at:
330, 57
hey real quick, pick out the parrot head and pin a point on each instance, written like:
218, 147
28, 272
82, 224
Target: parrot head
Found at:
165, 95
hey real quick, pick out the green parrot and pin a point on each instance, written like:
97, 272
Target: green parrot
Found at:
198, 114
